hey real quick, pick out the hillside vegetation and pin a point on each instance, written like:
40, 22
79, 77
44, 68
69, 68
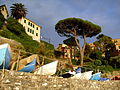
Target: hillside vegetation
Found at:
14, 30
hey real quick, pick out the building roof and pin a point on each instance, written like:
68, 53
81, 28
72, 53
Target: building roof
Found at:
5, 8
33, 22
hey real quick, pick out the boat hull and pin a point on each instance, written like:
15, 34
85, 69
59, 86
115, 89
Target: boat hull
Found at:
5, 56
48, 69
29, 67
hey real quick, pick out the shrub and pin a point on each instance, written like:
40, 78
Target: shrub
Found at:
75, 62
98, 62
106, 68
14, 26
2, 19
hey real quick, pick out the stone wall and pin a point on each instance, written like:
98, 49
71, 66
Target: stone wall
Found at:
28, 81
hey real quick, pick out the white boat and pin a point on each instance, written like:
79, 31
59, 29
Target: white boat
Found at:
5, 56
85, 75
48, 69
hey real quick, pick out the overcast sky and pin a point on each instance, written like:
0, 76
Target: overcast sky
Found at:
47, 13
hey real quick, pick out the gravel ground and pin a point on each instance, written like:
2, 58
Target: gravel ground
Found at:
28, 81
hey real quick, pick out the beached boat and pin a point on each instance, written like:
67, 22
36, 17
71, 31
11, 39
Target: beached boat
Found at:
29, 67
86, 75
116, 77
5, 56
96, 76
48, 69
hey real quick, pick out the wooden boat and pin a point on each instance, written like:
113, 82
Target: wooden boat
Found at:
116, 78
48, 69
96, 76
5, 56
29, 67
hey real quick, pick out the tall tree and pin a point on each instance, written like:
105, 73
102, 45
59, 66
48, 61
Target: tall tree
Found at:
104, 44
72, 44
18, 11
77, 27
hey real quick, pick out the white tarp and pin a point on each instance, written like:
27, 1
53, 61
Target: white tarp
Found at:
48, 69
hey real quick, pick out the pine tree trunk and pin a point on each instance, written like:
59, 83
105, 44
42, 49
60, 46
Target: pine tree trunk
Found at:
82, 56
43, 60
70, 55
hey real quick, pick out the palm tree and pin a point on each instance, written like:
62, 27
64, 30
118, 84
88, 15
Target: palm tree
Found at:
18, 10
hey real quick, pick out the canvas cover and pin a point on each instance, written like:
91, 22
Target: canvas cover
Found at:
5, 55
48, 69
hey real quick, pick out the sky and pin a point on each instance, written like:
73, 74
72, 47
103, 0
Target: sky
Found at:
47, 13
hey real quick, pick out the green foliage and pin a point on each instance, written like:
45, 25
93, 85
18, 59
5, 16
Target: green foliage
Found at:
18, 10
46, 61
16, 32
75, 62
98, 62
42, 50
70, 41
14, 26
106, 68
88, 50
104, 43
115, 62
96, 55
58, 54
48, 45
2, 20
76, 26
104, 62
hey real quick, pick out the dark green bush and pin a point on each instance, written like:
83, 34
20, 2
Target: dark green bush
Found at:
106, 68
14, 26
2, 20
98, 62
75, 62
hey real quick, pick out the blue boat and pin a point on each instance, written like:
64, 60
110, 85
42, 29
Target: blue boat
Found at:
5, 56
95, 76
29, 67
103, 79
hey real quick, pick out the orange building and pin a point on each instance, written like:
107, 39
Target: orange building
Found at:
117, 44
66, 50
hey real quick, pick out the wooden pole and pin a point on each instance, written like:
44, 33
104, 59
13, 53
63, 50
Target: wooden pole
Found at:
18, 61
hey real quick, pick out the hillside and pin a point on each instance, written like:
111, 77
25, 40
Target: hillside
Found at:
15, 31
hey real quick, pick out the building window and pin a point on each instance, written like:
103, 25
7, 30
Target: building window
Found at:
119, 47
3, 8
36, 28
28, 29
24, 21
36, 34
33, 26
28, 23
33, 32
